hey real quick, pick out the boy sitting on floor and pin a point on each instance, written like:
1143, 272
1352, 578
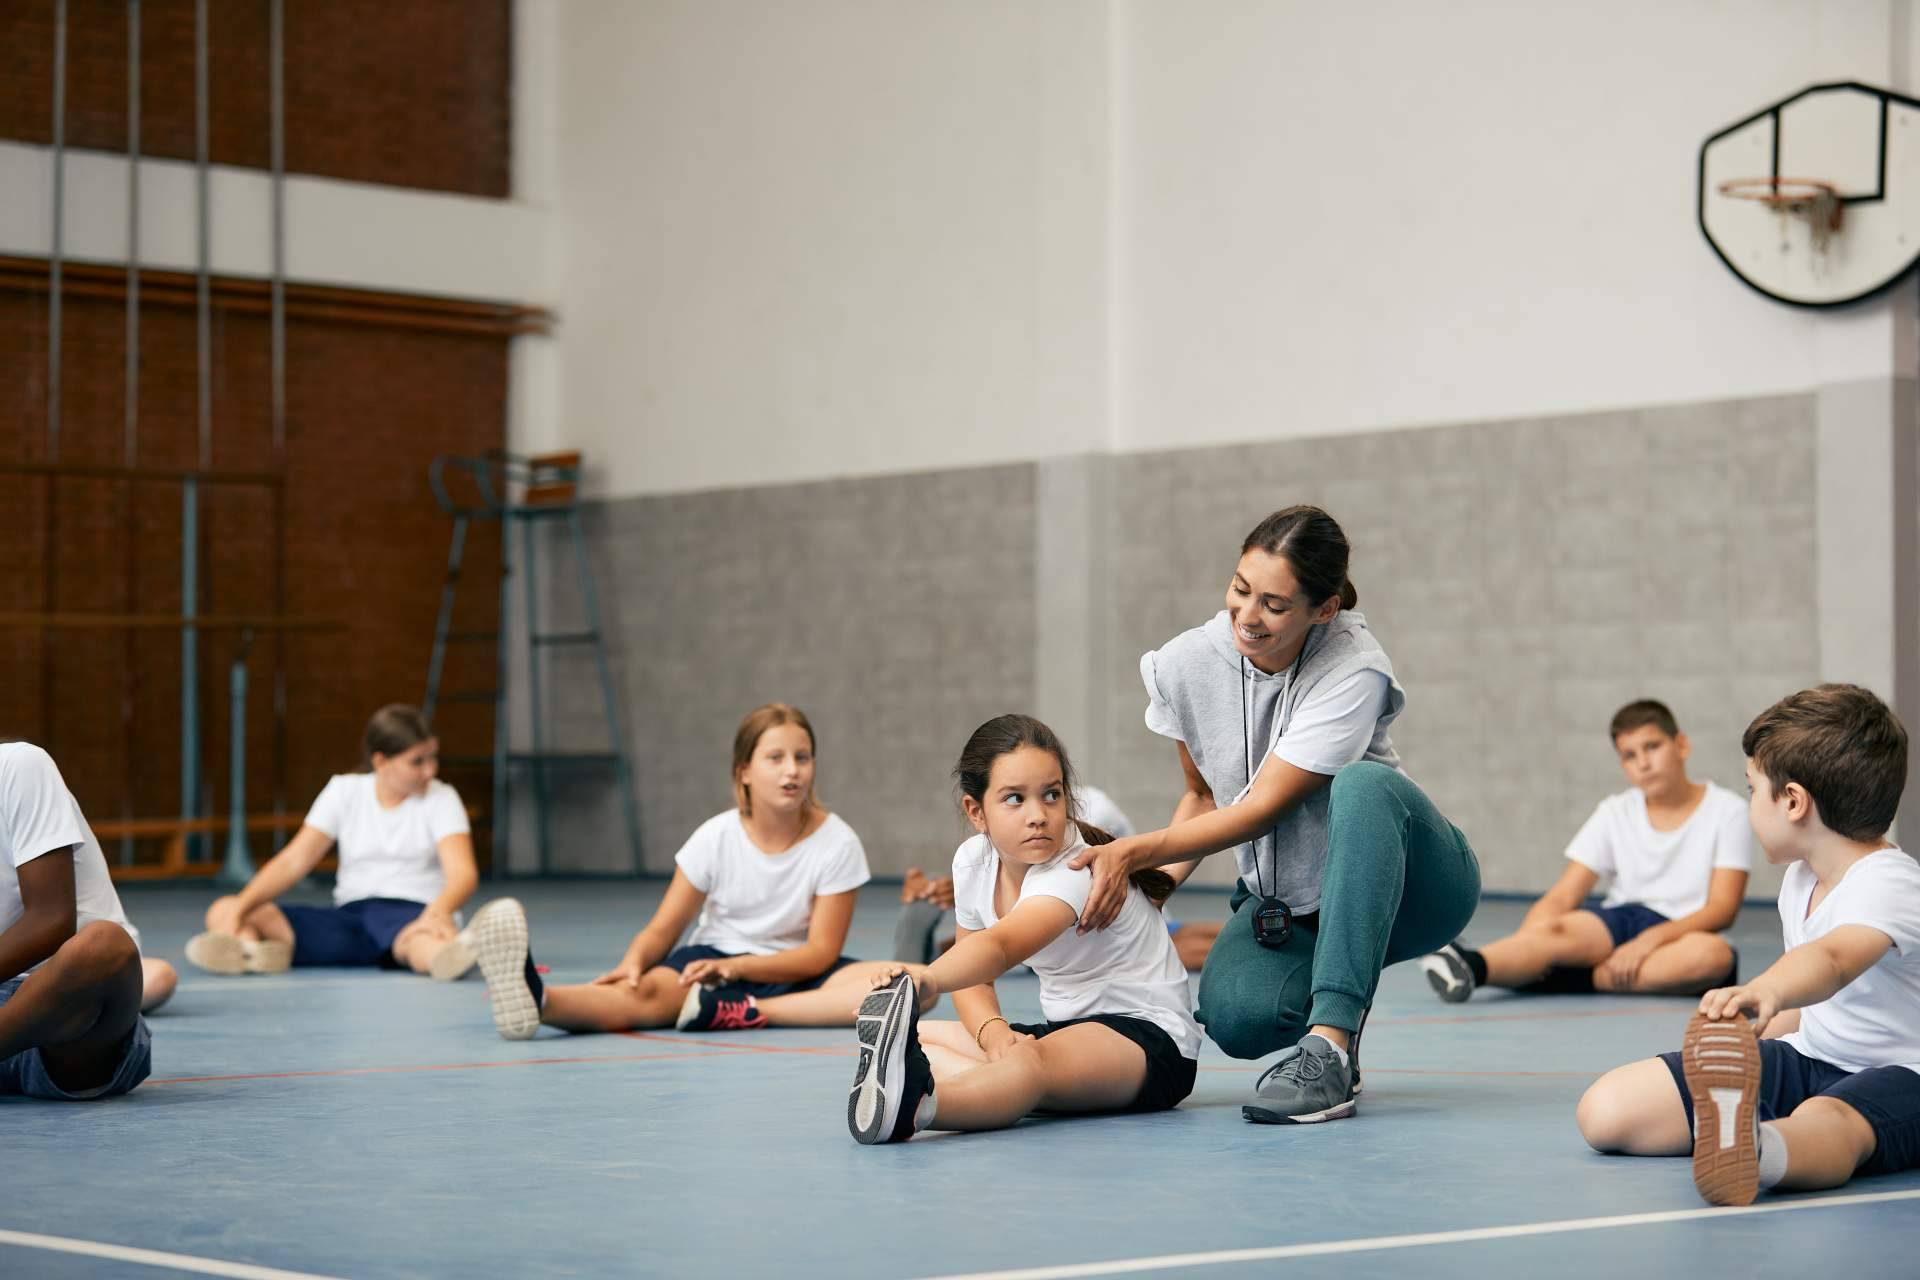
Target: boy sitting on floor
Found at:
70, 974
1679, 852
1835, 1090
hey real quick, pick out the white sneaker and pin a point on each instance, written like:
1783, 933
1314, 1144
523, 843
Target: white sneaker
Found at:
219, 953
1448, 974
499, 932
455, 960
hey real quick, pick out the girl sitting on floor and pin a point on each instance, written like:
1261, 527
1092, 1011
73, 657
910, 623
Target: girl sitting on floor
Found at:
406, 868
773, 882
1118, 1035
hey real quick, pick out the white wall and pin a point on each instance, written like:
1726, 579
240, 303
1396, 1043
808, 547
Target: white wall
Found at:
853, 236
832, 237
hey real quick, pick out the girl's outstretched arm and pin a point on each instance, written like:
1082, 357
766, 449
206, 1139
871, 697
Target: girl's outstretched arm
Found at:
981, 957
650, 946
284, 870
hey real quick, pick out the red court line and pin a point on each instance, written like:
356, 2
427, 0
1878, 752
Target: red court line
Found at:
442, 1066
677, 1038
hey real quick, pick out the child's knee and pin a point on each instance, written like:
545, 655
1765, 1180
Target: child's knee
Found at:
1605, 1113
1842, 1121
101, 950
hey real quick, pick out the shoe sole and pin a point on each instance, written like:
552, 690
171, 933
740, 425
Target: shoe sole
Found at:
873, 1105
500, 945
1446, 978
1260, 1115
267, 956
219, 953
689, 1010
453, 961
1721, 1062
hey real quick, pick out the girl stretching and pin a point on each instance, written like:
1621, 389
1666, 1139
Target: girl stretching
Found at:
1118, 1036
773, 882
406, 868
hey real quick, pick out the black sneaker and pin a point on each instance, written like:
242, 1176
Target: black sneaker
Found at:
1448, 973
893, 1077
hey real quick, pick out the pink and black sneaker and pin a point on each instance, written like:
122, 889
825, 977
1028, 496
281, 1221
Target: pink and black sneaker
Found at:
713, 1009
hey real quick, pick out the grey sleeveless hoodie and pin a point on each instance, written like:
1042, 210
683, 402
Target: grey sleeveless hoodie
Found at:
1203, 693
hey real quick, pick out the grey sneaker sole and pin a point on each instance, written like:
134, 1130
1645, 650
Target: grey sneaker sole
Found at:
873, 1105
220, 953
1448, 975
1261, 1115
500, 944
455, 960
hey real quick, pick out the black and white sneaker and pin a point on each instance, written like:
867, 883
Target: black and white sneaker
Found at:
1448, 973
894, 1077
499, 932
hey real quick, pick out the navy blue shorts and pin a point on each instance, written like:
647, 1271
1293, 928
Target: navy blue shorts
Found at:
359, 934
1627, 921
1888, 1098
1170, 1076
681, 957
25, 1073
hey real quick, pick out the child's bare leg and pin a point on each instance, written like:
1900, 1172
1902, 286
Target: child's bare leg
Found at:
1689, 963
1083, 1068
1827, 1141
833, 1003
1636, 1110
949, 1049
1193, 941
157, 981
615, 1006
1577, 938
416, 945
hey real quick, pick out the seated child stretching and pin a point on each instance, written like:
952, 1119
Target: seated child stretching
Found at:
1835, 1088
1679, 853
70, 974
1119, 1034
406, 868
773, 881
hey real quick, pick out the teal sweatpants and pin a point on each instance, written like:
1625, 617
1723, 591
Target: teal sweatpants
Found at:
1400, 881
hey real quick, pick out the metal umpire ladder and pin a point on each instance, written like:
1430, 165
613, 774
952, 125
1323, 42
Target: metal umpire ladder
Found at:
525, 491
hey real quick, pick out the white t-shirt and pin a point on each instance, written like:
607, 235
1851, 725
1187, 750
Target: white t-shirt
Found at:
38, 816
1669, 871
1873, 1021
1128, 968
387, 853
758, 902
1096, 806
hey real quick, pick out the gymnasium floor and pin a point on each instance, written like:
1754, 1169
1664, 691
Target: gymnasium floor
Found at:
373, 1125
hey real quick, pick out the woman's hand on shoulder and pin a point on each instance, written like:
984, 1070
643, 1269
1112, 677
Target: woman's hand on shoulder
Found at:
1111, 865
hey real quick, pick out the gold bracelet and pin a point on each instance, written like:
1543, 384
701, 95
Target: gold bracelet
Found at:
982, 1029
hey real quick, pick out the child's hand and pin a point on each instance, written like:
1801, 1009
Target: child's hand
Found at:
1754, 1000
714, 973
627, 972
998, 1038
923, 980
940, 892
914, 886
225, 916
1622, 967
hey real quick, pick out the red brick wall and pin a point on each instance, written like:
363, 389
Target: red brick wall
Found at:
413, 93
368, 407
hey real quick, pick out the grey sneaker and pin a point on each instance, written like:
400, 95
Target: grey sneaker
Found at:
1308, 1085
1448, 973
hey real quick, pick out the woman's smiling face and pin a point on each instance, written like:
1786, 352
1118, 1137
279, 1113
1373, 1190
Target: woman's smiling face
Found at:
1270, 612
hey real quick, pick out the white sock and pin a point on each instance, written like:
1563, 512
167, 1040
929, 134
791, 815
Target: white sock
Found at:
1344, 1061
923, 1114
1773, 1156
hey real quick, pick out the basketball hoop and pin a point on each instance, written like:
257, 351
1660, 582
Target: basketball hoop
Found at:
1816, 203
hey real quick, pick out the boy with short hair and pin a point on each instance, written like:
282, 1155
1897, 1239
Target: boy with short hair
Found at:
1678, 852
1835, 1088
70, 974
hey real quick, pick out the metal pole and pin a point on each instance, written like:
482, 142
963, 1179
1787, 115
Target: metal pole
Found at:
189, 651
238, 868
205, 280
129, 651
276, 120
59, 218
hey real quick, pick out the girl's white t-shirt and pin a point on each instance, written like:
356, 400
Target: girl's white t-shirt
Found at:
1669, 871
1873, 1021
1129, 968
387, 853
758, 902
37, 816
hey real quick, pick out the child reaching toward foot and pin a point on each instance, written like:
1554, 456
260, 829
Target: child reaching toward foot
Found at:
1119, 1034
1834, 1087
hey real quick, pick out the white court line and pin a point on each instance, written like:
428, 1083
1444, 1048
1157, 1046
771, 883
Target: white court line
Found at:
153, 1258
1167, 1262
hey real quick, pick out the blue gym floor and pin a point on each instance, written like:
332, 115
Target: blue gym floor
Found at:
356, 1124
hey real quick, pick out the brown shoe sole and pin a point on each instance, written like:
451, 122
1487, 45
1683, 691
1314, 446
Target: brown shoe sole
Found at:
1721, 1061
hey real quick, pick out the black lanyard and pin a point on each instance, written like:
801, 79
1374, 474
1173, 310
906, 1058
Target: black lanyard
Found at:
1272, 918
